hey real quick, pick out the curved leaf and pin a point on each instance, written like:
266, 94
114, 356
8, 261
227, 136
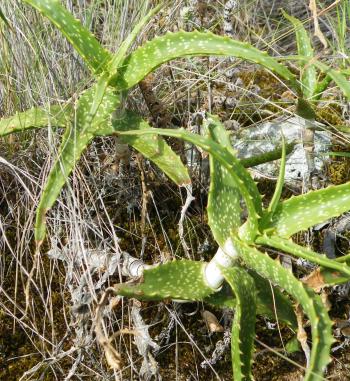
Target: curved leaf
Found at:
224, 209
182, 279
81, 39
152, 147
280, 182
303, 252
225, 157
337, 76
117, 58
54, 115
301, 212
270, 302
308, 70
312, 305
243, 325
94, 109
180, 44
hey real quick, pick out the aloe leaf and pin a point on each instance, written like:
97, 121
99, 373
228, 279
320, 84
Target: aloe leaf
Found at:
266, 157
180, 44
271, 302
322, 86
243, 325
311, 303
70, 153
301, 212
182, 279
280, 181
302, 252
308, 70
337, 76
94, 109
225, 157
84, 42
220, 135
54, 115
224, 298
114, 65
153, 147
224, 209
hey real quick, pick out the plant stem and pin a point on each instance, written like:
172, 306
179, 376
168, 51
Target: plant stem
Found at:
224, 258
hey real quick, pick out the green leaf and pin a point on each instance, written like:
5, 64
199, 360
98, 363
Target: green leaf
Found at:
180, 44
224, 209
293, 345
340, 154
224, 298
336, 76
243, 325
81, 39
322, 86
266, 157
271, 302
280, 182
290, 247
305, 110
226, 158
152, 147
54, 115
308, 70
311, 303
301, 212
70, 152
182, 279
94, 109
119, 56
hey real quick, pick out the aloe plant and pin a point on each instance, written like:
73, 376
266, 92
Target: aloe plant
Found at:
240, 244
98, 111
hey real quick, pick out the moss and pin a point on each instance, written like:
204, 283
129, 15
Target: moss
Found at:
330, 114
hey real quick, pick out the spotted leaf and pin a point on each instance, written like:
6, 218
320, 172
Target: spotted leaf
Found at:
182, 279
243, 325
227, 160
224, 209
305, 50
301, 212
153, 147
90, 114
119, 56
290, 247
84, 42
54, 116
180, 44
311, 303
270, 302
